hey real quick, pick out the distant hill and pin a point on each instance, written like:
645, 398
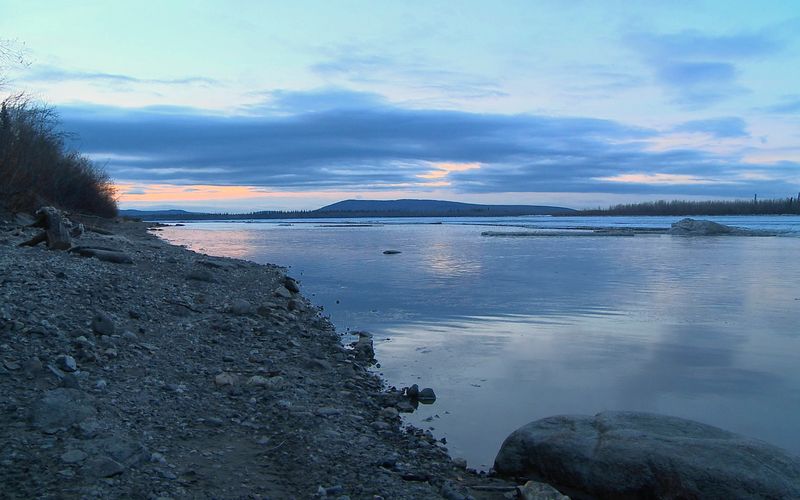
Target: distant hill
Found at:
365, 208
438, 208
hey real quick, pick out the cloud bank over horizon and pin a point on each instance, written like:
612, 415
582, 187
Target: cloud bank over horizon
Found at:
340, 140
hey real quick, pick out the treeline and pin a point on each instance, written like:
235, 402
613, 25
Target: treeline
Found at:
37, 168
778, 206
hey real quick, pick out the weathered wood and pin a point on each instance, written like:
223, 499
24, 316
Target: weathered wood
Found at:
98, 230
104, 253
55, 232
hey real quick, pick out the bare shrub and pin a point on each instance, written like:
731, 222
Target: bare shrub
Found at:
37, 168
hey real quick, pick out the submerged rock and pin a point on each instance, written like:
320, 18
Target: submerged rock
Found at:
693, 227
643, 455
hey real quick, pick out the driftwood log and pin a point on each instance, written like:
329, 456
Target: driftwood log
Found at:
55, 233
103, 253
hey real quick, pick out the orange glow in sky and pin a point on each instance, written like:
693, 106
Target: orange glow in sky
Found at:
442, 169
198, 192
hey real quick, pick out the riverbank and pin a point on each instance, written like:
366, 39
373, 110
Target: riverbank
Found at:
183, 375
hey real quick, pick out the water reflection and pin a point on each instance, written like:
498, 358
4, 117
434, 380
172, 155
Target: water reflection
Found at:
510, 330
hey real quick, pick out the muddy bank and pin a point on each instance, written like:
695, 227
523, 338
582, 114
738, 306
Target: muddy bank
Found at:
173, 374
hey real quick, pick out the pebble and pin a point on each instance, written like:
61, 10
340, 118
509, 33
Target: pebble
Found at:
390, 412
74, 456
225, 378
241, 307
329, 412
380, 425
66, 363
103, 467
102, 324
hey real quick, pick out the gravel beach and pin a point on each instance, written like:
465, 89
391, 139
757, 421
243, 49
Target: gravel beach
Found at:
163, 373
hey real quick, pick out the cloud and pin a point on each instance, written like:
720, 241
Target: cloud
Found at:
698, 70
48, 73
720, 128
695, 45
355, 64
385, 146
788, 105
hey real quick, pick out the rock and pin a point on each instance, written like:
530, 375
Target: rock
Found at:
363, 348
291, 285
380, 425
643, 455
406, 407
426, 396
103, 467
241, 307
130, 336
271, 382
390, 412
282, 291
328, 412
66, 363
73, 456
60, 408
692, 227
412, 392
102, 324
122, 449
391, 252
201, 275
539, 491
32, 366
225, 378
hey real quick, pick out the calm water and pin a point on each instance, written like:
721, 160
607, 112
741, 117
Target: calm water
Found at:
509, 330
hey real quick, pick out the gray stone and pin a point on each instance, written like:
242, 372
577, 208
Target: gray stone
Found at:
380, 425
66, 363
426, 395
60, 408
329, 412
102, 324
692, 227
119, 448
539, 491
73, 456
282, 291
241, 307
363, 348
291, 285
643, 455
103, 467
129, 336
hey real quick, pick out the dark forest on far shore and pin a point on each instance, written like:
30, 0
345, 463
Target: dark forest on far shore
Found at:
777, 206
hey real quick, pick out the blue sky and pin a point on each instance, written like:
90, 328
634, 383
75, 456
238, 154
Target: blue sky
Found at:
266, 105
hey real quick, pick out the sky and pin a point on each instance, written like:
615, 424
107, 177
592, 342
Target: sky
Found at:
268, 105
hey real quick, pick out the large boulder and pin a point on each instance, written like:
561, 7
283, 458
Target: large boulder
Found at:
693, 227
643, 455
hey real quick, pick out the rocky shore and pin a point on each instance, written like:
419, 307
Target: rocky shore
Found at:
162, 373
